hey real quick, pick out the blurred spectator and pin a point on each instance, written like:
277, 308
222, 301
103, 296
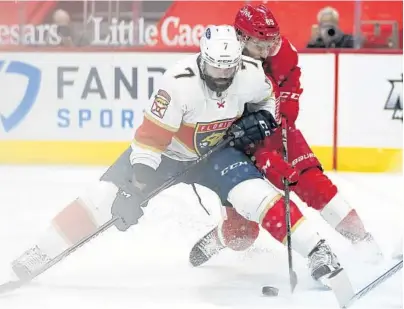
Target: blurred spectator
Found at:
65, 30
327, 34
62, 19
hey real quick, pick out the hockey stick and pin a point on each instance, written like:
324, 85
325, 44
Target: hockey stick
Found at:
347, 298
12, 285
292, 273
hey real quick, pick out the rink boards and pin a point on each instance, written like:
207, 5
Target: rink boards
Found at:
83, 107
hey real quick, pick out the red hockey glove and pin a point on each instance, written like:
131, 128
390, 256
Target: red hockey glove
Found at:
271, 163
289, 108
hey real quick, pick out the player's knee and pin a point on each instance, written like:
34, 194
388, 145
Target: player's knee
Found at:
251, 198
315, 188
273, 220
238, 233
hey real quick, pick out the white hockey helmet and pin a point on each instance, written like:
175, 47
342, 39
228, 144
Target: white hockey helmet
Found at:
220, 56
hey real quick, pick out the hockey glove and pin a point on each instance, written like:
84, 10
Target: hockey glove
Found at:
126, 206
289, 110
274, 167
252, 128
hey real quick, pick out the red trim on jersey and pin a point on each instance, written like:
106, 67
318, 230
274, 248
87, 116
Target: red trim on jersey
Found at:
186, 136
153, 135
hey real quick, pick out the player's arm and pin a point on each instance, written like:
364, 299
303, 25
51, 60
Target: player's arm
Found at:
161, 120
289, 86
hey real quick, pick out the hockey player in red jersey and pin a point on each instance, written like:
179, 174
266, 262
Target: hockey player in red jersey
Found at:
258, 29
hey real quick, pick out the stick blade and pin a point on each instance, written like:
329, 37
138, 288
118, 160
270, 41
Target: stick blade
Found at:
342, 287
11, 286
293, 280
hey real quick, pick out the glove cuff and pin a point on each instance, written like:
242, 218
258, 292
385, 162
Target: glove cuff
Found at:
144, 174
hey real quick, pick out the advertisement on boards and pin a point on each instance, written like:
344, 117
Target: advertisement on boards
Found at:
84, 107
77, 96
99, 96
88, 102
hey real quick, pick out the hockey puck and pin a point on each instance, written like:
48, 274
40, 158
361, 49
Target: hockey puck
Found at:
270, 291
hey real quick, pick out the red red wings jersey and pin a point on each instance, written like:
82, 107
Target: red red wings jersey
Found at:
284, 70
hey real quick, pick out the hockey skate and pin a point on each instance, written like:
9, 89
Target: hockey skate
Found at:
207, 247
323, 263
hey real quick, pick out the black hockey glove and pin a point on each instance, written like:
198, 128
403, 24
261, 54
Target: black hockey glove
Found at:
252, 128
126, 206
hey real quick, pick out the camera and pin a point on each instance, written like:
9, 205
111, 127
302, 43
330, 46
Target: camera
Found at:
331, 31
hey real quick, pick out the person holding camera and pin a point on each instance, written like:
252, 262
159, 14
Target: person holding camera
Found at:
62, 19
327, 34
69, 37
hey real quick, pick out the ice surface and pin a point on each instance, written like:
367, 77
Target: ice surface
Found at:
147, 267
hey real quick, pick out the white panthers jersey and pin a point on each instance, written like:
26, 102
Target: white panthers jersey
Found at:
184, 118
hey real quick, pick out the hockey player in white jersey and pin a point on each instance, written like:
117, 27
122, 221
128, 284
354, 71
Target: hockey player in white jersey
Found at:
199, 101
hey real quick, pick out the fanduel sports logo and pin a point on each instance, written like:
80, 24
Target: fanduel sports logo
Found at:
394, 101
33, 75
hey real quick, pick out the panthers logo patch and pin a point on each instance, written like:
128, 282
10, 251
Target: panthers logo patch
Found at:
208, 134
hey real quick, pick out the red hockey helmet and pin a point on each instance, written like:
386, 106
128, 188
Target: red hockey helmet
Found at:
258, 28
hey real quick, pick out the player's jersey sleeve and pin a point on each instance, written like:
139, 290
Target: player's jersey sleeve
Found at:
289, 70
162, 118
262, 94
284, 69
